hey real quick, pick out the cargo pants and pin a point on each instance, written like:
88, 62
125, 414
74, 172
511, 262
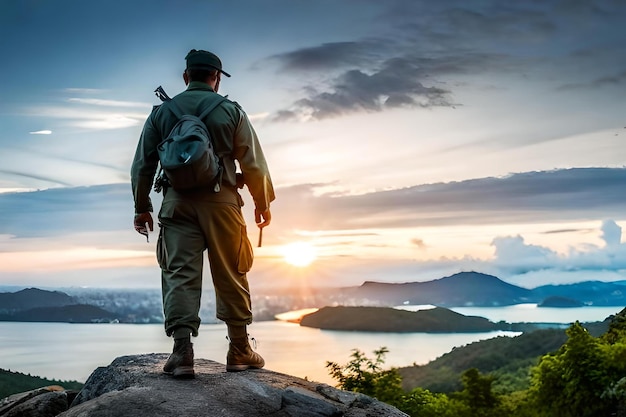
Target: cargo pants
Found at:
189, 225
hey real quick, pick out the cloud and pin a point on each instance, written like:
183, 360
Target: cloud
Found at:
60, 211
513, 256
611, 233
419, 243
41, 132
89, 118
396, 84
109, 103
327, 56
47, 179
411, 49
580, 194
545, 196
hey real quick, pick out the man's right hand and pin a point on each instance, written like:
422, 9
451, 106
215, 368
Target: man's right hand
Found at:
262, 218
140, 222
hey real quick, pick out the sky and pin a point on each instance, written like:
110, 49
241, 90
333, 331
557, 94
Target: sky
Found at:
407, 140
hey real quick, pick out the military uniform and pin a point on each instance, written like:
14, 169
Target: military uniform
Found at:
201, 219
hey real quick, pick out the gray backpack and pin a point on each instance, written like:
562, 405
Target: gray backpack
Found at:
187, 155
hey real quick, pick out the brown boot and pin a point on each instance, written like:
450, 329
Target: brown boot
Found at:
180, 362
241, 356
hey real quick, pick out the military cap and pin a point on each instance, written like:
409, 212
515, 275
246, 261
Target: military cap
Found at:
200, 59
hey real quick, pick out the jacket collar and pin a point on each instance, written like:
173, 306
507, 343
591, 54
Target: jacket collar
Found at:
198, 85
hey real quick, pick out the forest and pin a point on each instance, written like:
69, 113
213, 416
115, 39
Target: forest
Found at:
584, 376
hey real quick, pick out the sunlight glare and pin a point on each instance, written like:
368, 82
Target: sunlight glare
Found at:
299, 254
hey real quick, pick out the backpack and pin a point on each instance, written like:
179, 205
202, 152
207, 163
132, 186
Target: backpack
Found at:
187, 155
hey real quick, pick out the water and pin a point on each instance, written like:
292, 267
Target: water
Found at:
530, 313
72, 351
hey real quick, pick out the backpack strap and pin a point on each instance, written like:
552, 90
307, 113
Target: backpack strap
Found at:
212, 107
171, 104
179, 114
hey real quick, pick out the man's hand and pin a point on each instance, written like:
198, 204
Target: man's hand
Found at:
141, 219
262, 218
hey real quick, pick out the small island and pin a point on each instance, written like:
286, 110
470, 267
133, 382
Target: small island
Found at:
560, 302
387, 319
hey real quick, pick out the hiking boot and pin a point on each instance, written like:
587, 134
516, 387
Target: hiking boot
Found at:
241, 356
180, 362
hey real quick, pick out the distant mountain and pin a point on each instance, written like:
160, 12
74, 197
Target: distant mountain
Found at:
78, 313
462, 289
385, 319
32, 298
595, 293
33, 304
481, 290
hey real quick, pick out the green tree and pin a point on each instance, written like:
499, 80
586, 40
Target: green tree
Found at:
573, 381
366, 376
477, 390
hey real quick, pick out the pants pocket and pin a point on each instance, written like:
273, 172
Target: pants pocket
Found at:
161, 249
246, 255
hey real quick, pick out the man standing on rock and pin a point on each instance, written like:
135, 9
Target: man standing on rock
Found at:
204, 218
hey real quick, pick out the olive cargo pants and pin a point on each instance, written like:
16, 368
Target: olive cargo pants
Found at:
188, 227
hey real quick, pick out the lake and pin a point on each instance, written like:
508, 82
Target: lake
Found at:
72, 351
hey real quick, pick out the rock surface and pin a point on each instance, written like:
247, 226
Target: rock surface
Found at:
41, 402
135, 386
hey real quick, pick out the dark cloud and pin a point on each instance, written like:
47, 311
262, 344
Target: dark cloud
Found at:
327, 56
396, 84
46, 179
609, 81
558, 231
59, 211
549, 196
561, 195
412, 48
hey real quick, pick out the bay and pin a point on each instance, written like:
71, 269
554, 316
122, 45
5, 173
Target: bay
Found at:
67, 351
73, 351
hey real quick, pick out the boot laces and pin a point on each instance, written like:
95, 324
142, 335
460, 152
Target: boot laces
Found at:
252, 339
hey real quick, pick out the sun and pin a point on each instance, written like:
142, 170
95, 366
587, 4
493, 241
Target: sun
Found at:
299, 254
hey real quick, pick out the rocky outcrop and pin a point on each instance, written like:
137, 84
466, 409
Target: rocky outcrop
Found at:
135, 386
42, 402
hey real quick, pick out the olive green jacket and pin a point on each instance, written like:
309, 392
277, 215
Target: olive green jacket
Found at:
233, 136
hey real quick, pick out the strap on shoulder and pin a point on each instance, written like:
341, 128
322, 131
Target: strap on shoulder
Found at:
171, 104
209, 109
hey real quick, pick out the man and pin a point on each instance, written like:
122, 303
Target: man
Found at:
192, 221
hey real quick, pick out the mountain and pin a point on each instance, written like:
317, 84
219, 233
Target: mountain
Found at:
77, 313
385, 319
595, 293
462, 289
481, 290
32, 298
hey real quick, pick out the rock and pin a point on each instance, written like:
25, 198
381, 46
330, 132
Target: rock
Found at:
135, 386
41, 402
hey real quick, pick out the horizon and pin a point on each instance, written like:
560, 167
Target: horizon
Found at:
407, 141
17, 288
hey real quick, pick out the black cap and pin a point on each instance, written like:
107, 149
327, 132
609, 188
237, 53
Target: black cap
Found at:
200, 59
